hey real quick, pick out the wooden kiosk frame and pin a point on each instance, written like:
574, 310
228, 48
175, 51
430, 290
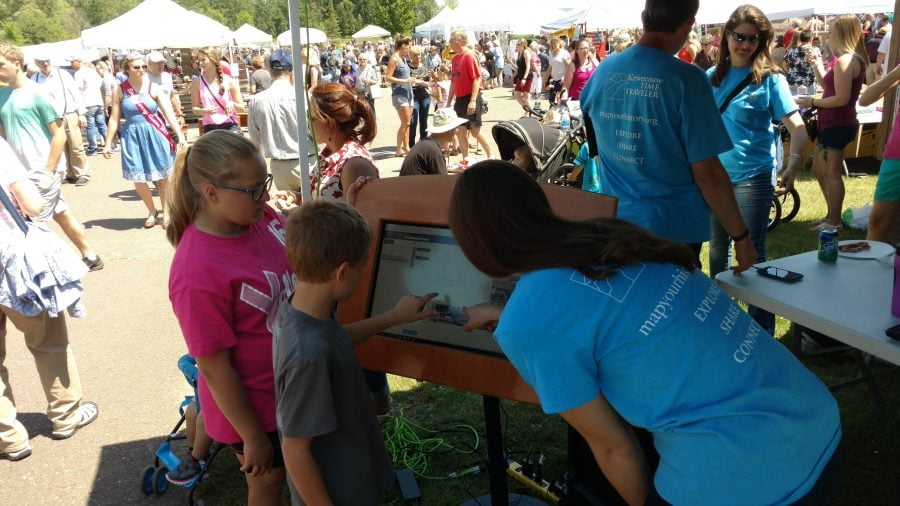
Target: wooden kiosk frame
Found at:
425, 200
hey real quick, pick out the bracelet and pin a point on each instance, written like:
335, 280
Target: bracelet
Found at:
740, 237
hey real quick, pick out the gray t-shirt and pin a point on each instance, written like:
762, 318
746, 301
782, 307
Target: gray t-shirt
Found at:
321, 394
261, 79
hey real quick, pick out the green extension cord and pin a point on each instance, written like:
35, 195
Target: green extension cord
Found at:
410, 444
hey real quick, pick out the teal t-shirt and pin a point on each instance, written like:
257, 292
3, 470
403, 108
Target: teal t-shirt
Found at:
748, 120
653, 116
735, 417
25, 114
590, 179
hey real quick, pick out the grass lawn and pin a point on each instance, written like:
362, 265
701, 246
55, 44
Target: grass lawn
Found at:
869, 451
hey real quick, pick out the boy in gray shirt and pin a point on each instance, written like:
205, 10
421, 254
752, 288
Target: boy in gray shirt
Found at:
331, 441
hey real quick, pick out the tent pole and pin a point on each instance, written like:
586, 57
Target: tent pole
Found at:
300, 92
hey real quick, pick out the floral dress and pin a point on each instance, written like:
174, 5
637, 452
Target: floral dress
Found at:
332, 163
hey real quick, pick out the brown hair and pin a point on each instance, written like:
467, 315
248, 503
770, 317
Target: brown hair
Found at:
323, 234
401, 41
762, 63
215, 56
256, 62
339, 107
515, 231
210, 160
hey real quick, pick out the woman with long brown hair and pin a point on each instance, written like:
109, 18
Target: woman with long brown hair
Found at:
838, 125
657, 344
745, 66
215, 96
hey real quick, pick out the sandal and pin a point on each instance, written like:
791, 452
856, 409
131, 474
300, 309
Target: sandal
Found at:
150, 222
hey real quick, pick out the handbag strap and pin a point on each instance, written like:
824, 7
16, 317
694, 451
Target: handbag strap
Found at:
737, 89
7, 203
213, 95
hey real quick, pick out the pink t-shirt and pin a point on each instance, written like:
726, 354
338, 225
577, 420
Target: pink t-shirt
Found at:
225, 292
892, 148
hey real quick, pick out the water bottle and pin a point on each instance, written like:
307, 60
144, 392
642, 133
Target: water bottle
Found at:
895, 299
565, 122
802, 90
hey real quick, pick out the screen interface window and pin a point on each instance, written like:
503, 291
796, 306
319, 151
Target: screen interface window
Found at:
419, 259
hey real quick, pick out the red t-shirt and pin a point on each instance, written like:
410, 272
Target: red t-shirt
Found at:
788, 38
464, 70
225, 292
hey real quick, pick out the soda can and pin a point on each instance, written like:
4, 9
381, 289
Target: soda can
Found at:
828, 245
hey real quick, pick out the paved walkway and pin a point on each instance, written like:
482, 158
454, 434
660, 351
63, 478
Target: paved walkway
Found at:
127, 347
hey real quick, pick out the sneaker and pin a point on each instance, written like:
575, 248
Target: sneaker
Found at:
82, 180
19, 455
187, 470
69, 179
94, 265
86, 413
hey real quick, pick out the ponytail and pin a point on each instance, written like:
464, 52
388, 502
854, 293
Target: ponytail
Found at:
184, 199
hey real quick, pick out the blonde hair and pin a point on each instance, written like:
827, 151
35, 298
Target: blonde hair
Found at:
12, 53
212, 159
323, 234
215, 55
461, 34
416, 50
848, 39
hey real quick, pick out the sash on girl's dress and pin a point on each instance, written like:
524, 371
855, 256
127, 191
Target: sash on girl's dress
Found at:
155, 121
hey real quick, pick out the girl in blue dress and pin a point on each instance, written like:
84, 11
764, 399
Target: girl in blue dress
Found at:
147, 148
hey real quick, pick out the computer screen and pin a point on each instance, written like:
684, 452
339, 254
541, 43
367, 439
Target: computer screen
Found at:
419, 259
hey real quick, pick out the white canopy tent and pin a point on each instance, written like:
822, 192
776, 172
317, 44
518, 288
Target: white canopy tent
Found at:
526, 16
371, 31
441, 23
307, 36
248, 35
796, 9
59, 52
602, 14
157, 24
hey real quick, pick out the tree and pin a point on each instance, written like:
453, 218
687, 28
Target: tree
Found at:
10, 31
348, 18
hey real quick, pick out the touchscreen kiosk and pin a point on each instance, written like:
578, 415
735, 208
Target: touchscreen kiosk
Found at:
418, 259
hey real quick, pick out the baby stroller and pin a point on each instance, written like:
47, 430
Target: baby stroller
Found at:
552, 149
153, 478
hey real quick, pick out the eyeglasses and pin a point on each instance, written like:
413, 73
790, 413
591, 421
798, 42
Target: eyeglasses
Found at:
584, 49
740, 37
256, 192
139, 67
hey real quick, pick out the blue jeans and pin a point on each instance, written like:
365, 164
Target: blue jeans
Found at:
96, 125
419, 111
754, 200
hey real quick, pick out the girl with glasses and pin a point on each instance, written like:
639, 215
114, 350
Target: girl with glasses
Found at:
763, 97
228, 275
147, 145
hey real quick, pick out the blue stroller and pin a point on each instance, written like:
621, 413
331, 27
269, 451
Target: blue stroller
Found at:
153, 478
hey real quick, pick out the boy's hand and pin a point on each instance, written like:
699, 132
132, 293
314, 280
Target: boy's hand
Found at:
482, 316
258, 456
411, 308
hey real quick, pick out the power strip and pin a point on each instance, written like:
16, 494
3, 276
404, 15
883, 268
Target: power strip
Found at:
543, 488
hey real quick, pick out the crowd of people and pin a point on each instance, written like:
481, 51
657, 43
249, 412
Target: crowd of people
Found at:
681, 129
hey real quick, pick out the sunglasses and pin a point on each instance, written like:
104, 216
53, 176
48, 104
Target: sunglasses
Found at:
256, 192
139, 67
740, 37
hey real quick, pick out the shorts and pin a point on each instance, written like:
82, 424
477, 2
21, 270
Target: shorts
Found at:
229, 126
836, 137
400, 101
50, 188
277, 457
887, 188
524, 88
461, 107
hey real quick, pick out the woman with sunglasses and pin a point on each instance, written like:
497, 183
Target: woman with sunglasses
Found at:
228, 275
579, 69
147, 146
735, 417
745, 66
838, 125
